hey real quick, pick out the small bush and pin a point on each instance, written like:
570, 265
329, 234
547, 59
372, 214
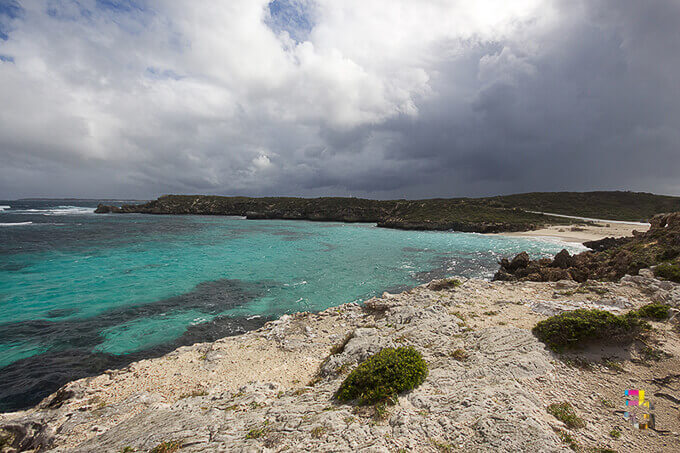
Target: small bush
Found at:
668, 271
167, 447
318, 432
256, 433
615, 433
565, 413
383, 376
578, 327
460, 355
566, 438
447, 283
656, 311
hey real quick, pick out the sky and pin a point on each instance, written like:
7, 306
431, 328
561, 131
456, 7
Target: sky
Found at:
367, 98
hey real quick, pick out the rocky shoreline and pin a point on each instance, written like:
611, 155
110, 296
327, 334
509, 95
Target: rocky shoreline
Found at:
609, 259
492, 385
489, 384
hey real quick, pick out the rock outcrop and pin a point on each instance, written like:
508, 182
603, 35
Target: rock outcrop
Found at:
489, 384
610, 259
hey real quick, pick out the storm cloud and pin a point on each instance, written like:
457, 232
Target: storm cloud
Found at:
376, 98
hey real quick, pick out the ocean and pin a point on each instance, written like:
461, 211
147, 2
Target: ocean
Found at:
81, 293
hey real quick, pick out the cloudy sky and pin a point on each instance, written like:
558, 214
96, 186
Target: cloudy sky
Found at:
377, 98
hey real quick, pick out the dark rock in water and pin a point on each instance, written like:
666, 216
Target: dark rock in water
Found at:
521, 261
102, 209
562, 260
606, 243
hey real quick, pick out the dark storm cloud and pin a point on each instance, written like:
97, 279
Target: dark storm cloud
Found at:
318, 98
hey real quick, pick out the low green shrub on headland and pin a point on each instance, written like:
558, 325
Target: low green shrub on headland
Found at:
668, 271
565, 413
656, 311
579, 327
383, 376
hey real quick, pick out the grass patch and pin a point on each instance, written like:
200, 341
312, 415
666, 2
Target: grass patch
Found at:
565, 413
441, 446
668, 271
654, 354
613, 365
318, 432
576, 328
567, 439
460, 354
655, 311
383, 376
615, 433
194, 394
167, 447
578, 362
606, 403
258, 432
447, 283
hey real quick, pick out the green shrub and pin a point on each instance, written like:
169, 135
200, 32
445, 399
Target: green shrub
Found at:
668, 271
578, 327
565, 413
656, 311
167, 447
383, 376
447, 283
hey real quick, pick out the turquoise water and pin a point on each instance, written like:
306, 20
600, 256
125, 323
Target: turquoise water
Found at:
78, 285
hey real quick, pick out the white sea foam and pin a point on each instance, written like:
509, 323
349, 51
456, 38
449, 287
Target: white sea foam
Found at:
3, 207
59, 210
15, 224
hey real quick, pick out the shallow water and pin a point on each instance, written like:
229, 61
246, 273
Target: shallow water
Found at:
81, 292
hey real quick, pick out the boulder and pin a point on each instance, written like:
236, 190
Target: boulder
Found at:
562, 260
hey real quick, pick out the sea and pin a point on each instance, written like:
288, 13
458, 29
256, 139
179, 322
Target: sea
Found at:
81, 293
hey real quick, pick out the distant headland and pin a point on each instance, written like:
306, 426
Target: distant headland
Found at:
499, 214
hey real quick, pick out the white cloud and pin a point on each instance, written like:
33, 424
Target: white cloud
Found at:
182, 95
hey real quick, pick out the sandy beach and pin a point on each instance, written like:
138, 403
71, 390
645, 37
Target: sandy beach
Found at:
584, 233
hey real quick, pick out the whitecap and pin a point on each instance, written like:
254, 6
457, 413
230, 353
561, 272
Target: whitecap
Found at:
15, 224
3, 207
59, 210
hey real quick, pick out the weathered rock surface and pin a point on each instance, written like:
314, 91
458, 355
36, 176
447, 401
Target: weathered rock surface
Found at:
489, 381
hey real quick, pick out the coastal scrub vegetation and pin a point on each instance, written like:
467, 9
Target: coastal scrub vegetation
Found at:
565, 413
579, 327
655, 311
612, 205
491, 214
383, 376
668, 271
167, 447
447, 283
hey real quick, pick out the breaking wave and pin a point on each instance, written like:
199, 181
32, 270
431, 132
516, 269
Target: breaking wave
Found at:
59, 210
15, 224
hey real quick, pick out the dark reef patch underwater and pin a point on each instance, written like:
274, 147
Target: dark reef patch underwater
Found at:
81, 293
73, 353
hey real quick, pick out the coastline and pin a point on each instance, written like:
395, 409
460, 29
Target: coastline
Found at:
490, 380
582, 233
